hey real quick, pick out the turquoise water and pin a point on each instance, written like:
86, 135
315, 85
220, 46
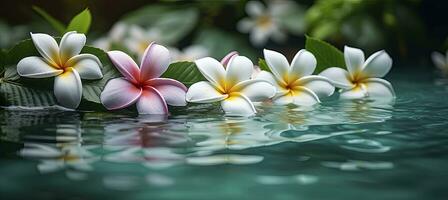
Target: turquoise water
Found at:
335, 150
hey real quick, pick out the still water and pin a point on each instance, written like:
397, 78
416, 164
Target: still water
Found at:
335, 150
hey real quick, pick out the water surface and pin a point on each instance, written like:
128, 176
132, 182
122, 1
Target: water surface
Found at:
335, 150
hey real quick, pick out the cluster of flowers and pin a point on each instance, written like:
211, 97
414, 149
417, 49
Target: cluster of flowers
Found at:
230, 81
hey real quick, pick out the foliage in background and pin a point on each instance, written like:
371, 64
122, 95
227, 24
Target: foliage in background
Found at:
79, 23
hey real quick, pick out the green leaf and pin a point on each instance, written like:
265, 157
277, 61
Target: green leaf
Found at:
263, 65
173, 23
326, 54
81, 22
185, 72
220, 43
56, 24
13, 94
91, 90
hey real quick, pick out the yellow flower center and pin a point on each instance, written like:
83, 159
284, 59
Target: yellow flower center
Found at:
264, 21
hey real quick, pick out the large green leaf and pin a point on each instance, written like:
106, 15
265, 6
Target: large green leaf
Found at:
81, 22
13, 94
326, 54
173, 22
185, 72
56, 24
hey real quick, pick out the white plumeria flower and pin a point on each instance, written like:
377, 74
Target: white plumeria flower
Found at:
231, 85
65, 63
440, 61
295, 83
263, 22
140, 38
224, 61
363, 78
116, 34
189, 53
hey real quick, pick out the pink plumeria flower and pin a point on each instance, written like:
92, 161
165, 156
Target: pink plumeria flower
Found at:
230, 83
64, 62
143, 85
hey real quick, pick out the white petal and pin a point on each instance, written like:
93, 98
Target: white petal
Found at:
47, 47
354, 59
151, 102
255, 8
258, 37
213, 71
304, 97
320, 85
239, 69
303, 64
154, 62
379, 88
87, 65
340, 77
119, 93
204, 92
264, 75
118, 31
71, 45
68, 88
278, 64
36, 67
439, 60
238, 105
377, 65
354, 93
283, 98
256, 90
245, 25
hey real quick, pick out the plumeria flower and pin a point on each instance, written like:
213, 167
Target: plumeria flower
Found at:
65, 63
140, 38
294, 82
441, 61
116, 34
231, 85
190, 53
363, 78
224, 61
263, 22
143, 85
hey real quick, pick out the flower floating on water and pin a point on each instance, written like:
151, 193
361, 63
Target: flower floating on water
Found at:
295, 83
143, 85
363, 78
65, 63
139, 39
263, 22
231, 85
190, 53
441, 62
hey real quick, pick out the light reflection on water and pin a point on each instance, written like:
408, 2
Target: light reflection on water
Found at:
198, 147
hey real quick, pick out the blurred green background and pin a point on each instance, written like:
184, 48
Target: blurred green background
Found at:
407, 29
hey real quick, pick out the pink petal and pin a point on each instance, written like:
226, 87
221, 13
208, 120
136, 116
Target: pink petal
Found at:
151, 102
124, 63
119, 93
155, 61
172, 91
227, 58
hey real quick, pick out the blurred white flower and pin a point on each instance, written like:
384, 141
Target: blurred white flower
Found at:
139, 39
115, 35
440, 61
264, 22
190, 53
